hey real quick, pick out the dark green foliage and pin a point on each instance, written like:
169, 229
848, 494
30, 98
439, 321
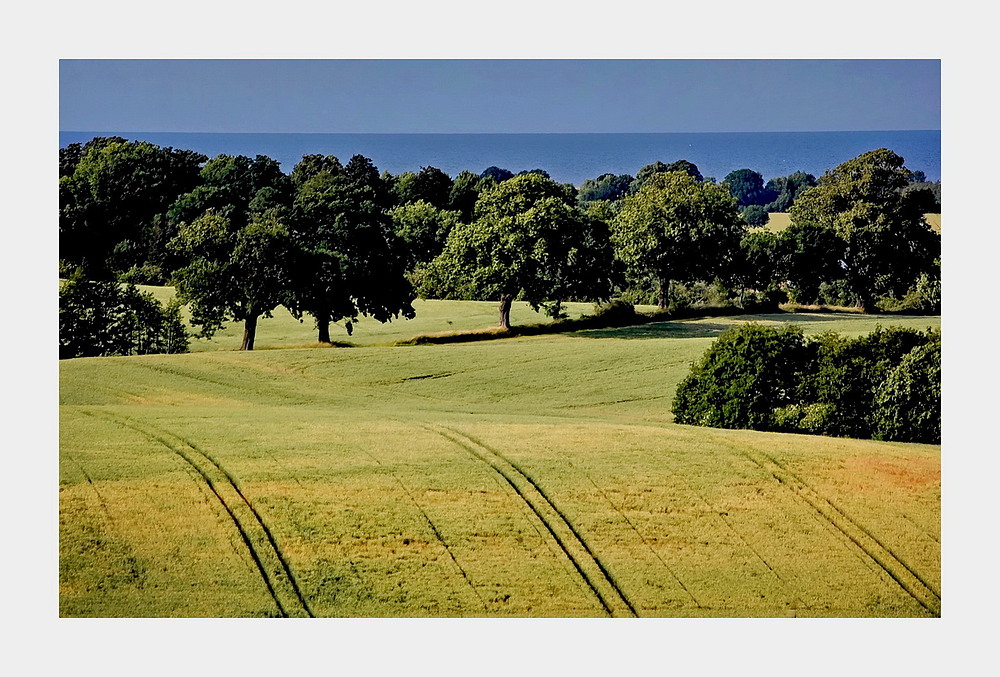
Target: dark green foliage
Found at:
464, 193
807, 257
885, 385
98, 318
345, 259
747, 186
540, 172
676, 228
908, 402
496, 173
423, 230
759, 261
887, 243
746, 374
113, 194
844, 373
754, 215
430, 184
529, 240
236, 188
923, 299
234, 272
924, 196
606, 187
644, 174
787, 189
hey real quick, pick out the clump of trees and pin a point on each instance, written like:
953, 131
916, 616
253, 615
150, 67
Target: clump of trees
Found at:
101, 318
886, 385
238, 237
529, 240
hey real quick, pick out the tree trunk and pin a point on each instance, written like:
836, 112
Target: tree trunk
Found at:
505, 303
323, 325
249, 332
664, 293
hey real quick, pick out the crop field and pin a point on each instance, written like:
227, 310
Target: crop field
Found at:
526, 477
778, 221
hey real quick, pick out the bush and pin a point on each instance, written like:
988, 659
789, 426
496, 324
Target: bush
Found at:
844, 373
105, 318
755, 215
885, 385
747, 373
907, 405
923, 299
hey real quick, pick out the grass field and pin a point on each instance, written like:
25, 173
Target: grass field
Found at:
538, 476
778, 221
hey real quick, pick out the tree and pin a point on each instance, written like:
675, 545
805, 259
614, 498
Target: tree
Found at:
346, 260
786, 189
423, 230
430, 184
98, 318
234, 272
644, 174
109, 202
529, 240
808, 256
465, 191
676, 228
606, 187
747, 186
236, 188
887, 242
496, 173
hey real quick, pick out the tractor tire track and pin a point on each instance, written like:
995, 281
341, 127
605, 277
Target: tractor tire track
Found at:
638, 533
904, 576
258, 538
434, 529
590, 569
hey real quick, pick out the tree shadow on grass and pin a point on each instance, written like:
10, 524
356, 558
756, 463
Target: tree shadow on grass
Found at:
700, 328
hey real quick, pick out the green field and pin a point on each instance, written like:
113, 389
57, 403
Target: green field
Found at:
778, 221
538, 476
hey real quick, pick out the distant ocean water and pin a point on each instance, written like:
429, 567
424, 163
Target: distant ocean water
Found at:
569, 158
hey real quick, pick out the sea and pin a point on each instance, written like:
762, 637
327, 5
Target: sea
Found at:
568, 158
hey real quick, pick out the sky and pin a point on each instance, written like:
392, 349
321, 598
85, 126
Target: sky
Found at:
498, 96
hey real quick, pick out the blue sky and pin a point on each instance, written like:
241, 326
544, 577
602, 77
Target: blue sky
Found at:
501, 96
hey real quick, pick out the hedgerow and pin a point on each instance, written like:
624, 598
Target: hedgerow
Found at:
886, 385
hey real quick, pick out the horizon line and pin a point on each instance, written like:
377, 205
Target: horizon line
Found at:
793, 131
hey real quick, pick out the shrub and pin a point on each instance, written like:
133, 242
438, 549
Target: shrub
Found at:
747, 373
105, 318
844, 373
755, 215
885, 385
907, 405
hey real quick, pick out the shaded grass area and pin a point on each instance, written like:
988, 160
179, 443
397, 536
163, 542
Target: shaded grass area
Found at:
359, 463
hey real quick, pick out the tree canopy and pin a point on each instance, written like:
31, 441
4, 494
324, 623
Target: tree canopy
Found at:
887, 242
677, 228
529, 240
346, 259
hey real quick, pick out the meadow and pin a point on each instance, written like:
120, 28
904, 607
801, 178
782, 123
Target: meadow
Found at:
778, 221
537, 476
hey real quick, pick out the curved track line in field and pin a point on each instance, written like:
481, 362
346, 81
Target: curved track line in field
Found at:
433, 527
638, 533
593, 572
275, 584
863, 528
904, 576
736, 532
93, 486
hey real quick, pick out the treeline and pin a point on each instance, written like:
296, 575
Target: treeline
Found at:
237, 237
886, 385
